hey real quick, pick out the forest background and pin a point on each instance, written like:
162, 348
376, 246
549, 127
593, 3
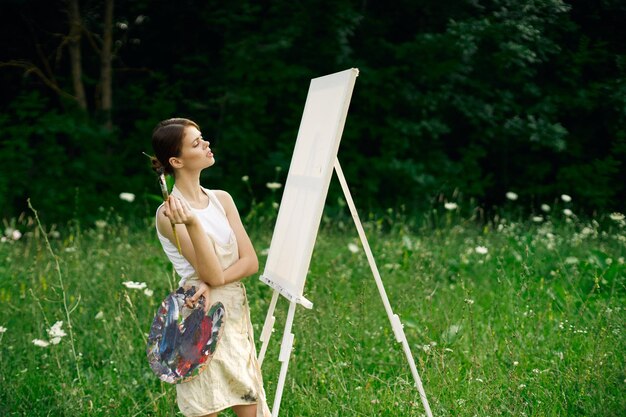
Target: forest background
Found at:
507, 111
459, 101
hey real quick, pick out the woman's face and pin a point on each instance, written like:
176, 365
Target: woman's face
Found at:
195, 152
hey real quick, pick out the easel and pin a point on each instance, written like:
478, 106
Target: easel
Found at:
294, 299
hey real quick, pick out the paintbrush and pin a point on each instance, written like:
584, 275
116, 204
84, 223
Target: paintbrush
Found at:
166, 196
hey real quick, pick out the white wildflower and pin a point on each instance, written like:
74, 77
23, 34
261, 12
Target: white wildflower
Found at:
587, 231
273, 185
616, 216
481, 250
122, 25
55, 340
130, 197
99, 316
2, 329
56, 330
469, 301
353, 248
16, 235
545, 208
148, 292
275, 205
511, 196
135, 285
3, 239
515, 363
521, 386
450, 206
566, 198
40, 343
100, 224
245, 178
537, 219
567, 212
70, 249
571, 260
139, 20
451, 333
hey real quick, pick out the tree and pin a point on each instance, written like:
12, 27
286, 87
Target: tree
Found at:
74, 42
106, 57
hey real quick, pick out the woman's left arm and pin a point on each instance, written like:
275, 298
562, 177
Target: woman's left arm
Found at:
248, 263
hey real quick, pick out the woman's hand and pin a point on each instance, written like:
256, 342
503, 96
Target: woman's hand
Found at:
179, 211
202, 291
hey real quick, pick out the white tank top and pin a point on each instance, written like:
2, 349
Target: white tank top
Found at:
214, 222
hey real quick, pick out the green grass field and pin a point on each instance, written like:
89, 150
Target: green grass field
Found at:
521, 318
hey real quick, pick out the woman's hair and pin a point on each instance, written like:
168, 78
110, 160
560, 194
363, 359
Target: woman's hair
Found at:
167, 142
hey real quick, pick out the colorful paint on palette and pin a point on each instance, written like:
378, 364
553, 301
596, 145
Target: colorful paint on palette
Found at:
182, 340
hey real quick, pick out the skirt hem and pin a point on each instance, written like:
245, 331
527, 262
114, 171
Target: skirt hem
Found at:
219, 410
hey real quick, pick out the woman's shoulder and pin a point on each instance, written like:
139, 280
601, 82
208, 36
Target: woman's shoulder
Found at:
159, 211
162, 221
225, 199
221, 194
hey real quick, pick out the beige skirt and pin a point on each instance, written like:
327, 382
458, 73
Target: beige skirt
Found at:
233, 376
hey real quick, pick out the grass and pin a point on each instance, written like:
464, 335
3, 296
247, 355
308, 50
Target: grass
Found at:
533, 327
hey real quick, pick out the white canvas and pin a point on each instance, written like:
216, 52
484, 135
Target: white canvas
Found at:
307, 183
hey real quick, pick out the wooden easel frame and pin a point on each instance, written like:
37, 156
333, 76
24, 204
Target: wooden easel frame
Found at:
288, 336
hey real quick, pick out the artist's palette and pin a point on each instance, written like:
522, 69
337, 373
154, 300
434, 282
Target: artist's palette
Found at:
182, 340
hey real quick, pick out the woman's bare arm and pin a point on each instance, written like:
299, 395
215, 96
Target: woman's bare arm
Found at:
248, 263
196, 247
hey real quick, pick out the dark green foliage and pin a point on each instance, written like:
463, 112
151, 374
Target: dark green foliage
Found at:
61, 161
472, 98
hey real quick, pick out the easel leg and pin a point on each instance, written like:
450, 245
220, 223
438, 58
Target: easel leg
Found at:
393, 318
285, 354
416, 377
266, 333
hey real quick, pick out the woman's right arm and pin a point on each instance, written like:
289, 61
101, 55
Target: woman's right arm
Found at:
194, 243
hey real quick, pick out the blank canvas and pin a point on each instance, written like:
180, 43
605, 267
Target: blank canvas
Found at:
311, 168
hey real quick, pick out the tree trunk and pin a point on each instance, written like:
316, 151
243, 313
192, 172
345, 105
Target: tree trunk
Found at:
75, 54
105, 64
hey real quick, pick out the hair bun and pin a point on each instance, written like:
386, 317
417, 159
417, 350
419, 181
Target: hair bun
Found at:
157, 166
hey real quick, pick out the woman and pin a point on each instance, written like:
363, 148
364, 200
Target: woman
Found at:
216, 253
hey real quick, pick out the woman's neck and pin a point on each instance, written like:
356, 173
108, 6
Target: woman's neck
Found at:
190, 188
